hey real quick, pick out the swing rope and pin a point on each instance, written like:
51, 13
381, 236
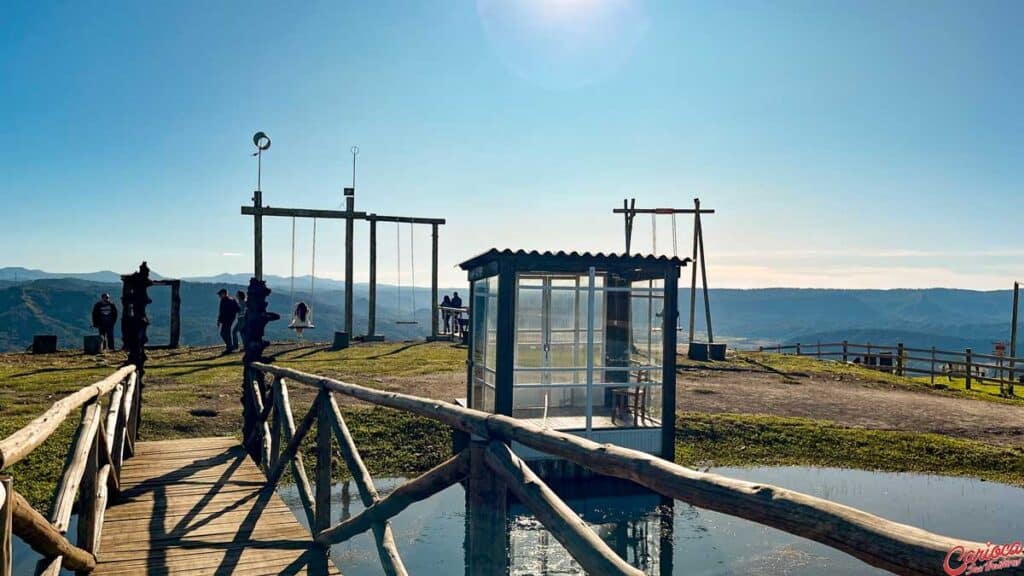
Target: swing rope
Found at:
412, 272
398, 267
312, 275
293, 264
675, 252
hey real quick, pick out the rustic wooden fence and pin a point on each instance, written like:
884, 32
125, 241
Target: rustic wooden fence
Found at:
92, 470
903, 360
896, 547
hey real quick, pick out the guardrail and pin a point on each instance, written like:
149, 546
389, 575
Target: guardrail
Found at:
896, 547
900, 360
92, 471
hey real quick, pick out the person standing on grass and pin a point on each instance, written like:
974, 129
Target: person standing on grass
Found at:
446, 315
238, 333
225, 318
104, 317
457, 316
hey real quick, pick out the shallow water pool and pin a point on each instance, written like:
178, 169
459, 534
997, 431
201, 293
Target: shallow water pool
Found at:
666, 538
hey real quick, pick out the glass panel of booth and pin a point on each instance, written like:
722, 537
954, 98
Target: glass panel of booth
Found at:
551, 376
484, 340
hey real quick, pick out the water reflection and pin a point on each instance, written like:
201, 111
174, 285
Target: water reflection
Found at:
437, 536
636, 523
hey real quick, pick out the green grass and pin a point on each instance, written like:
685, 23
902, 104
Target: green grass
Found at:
755, 440
184, 387
194, 392
810, 365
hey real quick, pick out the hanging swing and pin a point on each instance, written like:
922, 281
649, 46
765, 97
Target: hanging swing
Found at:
412, 272
302, 317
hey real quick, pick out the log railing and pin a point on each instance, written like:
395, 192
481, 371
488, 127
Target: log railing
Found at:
92, 472
896, 547
901, 360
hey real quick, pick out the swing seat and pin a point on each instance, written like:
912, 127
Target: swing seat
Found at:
406, 322
302, 319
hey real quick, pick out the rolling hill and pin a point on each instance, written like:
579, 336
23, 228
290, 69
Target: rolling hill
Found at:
53, 303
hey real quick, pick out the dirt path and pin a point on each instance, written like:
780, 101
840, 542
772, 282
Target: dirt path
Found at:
850, 402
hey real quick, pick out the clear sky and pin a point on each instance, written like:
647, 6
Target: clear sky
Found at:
844, 144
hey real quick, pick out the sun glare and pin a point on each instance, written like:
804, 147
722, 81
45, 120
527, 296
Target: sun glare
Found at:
563, 43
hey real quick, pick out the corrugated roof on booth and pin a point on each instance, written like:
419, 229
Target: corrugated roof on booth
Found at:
633, 259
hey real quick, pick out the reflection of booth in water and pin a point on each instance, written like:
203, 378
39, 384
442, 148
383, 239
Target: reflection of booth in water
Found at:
576, 342
636, 523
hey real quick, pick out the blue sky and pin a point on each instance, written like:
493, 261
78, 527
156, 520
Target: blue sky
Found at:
844, 144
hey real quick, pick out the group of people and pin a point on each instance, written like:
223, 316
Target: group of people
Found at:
231, 320
451, 314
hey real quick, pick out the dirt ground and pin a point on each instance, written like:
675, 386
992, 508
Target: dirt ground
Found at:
846, 401
850, 402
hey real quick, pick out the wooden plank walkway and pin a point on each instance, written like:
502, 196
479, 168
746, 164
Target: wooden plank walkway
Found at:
196, 506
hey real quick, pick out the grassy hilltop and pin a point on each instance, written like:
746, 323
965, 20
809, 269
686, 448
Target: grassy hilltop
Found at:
194, 392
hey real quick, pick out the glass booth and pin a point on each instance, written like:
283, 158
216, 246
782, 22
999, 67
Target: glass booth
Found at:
576, 342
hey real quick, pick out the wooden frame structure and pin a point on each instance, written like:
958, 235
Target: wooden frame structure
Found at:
629, 212
175, 327
349, 215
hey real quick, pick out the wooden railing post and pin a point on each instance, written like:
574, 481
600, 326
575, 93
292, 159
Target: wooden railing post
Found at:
323, 462
932, 370
275, 431
261, 430
899, 358
844, 351
968, 363
797, 348
87, 496
6, 530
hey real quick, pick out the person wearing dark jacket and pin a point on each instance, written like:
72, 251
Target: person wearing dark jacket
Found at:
457, 320
104, 318
238, 334
225, 318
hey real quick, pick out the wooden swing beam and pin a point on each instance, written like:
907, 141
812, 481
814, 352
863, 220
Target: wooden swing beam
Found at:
629, 212
349, 215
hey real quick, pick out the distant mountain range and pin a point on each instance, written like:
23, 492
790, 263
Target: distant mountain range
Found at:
61, 304
946, 318
38, 302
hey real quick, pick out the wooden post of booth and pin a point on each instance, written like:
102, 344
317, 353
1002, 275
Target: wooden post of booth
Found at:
668, 390
486, 545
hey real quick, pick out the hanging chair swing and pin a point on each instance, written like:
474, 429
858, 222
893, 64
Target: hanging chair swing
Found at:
412, 272
302, 317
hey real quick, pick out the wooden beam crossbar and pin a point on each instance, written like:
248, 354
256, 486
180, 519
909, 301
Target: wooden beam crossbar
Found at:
386, 547
336, 215
431, 482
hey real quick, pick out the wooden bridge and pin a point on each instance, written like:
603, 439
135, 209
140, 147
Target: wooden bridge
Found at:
202, 506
